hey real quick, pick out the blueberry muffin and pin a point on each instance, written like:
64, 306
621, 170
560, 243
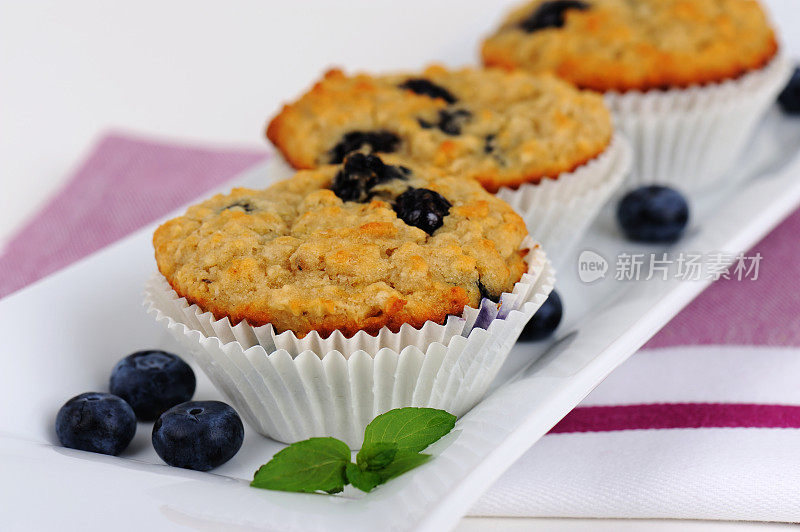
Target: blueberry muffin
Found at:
624, 45
501, 128
358, 246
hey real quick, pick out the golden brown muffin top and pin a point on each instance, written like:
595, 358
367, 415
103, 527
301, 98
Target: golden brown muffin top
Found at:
501, 128
622, 45
408, 245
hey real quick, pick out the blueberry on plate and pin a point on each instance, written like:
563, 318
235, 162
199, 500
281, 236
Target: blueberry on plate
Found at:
422, 208
551, 14
152, 381
96, 422
789, 99
653, 214
199, 435
545, 321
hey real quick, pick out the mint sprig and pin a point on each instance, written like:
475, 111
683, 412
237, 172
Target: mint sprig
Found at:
392, 445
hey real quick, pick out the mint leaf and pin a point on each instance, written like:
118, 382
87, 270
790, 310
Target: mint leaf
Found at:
412, 429
402, 463
392, 445
376, 456
317, 464
363, 480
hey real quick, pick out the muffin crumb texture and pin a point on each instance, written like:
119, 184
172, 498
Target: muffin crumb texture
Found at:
298, 256
501, 128
623, 45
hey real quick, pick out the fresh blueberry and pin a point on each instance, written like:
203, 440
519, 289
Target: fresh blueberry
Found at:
152, 381
789, 99
450, 121
426, 87
199, 435
653, 214
550, 15
376, 141
422, 208
361, 173
545, 321
96, 422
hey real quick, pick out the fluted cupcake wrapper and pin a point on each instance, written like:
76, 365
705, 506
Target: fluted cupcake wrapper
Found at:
559, 211
689, 138
294, 396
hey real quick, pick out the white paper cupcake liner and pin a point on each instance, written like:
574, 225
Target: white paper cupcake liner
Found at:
294, 396
689, 138
559, 211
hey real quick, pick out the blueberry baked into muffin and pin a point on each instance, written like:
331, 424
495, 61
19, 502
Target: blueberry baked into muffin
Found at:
357, 246
501, 128
622, 45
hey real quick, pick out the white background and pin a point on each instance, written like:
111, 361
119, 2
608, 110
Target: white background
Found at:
214, 72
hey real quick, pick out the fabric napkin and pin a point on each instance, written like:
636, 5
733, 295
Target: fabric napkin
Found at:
703, 423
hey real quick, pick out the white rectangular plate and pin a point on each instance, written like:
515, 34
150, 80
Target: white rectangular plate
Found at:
62, 336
